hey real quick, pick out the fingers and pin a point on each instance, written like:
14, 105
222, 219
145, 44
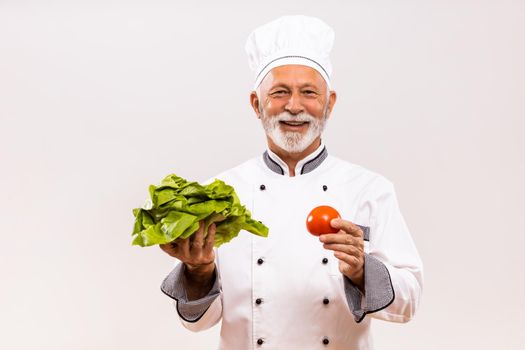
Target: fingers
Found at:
169, 248
183, 246
343, 248
353, 261
196, 250
173, 249
348, 248
197, 240
347, 226
347, 245
350, 254
351, 265
210, 238
342, 238
177, 248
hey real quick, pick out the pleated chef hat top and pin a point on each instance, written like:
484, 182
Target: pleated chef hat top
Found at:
290, 40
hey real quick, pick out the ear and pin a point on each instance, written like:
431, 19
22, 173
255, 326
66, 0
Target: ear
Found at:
331, 101
254, 102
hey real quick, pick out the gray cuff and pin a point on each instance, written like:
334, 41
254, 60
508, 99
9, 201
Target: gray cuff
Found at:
379, 292
189, 311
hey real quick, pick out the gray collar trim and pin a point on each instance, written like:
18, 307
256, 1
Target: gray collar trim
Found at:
308, 167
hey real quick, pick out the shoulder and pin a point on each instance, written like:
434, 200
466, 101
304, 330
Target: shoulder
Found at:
240, 173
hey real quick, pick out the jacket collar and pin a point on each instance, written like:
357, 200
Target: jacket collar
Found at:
304, 166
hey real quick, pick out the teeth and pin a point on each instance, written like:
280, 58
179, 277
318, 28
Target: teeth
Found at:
294, 123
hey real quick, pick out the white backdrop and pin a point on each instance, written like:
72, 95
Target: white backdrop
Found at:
100, 99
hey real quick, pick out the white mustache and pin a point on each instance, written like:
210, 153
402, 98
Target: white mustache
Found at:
288, 117
292, 141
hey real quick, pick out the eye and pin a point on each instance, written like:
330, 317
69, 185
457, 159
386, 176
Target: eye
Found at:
309, 92
279, 93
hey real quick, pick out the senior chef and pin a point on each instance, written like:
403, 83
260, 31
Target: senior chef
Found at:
292, 290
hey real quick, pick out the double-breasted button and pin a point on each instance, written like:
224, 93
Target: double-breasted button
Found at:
325, 261
325, 188
326, 301
258, 301
262, 187
260, 261
260, 341
326, 341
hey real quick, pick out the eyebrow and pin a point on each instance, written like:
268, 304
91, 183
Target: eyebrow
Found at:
302, 86
279, 85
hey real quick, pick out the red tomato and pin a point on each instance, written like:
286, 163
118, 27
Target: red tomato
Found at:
318, 221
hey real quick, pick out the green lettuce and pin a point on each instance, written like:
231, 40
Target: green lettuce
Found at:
176, 206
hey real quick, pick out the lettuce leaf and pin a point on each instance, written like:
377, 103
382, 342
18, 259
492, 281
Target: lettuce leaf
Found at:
176, 206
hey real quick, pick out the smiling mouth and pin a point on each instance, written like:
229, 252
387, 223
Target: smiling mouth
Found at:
291, 123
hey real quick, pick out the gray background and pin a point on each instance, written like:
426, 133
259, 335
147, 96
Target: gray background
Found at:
100, 99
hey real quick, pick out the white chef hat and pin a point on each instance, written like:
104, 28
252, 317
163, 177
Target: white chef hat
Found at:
290, 40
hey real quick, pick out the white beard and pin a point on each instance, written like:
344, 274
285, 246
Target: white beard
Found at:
292, 141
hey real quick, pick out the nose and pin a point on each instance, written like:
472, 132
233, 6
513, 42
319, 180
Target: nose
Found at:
294, 105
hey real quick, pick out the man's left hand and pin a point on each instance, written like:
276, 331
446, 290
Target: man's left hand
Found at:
348, 247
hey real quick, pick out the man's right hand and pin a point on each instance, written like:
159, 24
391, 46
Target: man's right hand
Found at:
197, 254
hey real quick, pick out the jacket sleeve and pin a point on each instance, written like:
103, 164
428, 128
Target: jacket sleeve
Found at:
393, 268
195, 315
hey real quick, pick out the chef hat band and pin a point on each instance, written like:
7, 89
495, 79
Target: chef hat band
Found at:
287, 40
292, 59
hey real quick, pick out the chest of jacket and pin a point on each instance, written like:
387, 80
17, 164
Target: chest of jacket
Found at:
287, 287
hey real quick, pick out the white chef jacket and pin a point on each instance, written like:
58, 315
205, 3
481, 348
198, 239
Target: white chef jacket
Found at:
286, 291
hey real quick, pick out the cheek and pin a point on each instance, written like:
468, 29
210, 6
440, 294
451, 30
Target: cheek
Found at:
276, 104
314, 107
